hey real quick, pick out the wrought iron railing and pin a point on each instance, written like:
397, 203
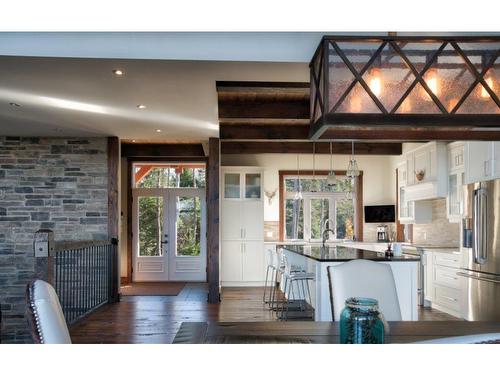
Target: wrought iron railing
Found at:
83, 276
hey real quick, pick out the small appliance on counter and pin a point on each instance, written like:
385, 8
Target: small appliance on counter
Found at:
382, 235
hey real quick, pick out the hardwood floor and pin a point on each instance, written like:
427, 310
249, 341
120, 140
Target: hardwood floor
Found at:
156, 319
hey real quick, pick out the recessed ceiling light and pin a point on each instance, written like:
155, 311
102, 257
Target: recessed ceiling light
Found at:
158, 130
15, 104
141, 106
118, 72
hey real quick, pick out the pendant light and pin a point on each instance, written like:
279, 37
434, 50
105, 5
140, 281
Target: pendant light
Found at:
331, 179
352, 169
298, 193
314, 185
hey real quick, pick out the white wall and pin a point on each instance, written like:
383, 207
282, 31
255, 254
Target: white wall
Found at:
379, 178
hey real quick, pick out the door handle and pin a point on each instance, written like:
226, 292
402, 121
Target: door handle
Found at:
478, 277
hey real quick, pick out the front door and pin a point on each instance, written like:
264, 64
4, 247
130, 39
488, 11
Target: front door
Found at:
169, 235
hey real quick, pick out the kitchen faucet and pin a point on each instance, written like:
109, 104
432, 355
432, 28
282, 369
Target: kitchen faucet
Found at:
324, 231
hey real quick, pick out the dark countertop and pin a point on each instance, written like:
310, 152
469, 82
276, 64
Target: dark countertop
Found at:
343, 254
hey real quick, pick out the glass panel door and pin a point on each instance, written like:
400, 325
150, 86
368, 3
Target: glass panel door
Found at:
252, 185
150, 235
187, 254
232, 185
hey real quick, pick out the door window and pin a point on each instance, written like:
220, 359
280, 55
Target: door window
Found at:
188, 226
151, 216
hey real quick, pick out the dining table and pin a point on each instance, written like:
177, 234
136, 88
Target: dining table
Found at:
309, 332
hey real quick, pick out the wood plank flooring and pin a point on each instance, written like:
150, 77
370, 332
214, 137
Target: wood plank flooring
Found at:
156, 319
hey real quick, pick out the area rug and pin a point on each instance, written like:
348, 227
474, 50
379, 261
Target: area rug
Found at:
152, 289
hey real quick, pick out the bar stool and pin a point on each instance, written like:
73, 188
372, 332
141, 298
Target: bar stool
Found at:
298, 277
272, 270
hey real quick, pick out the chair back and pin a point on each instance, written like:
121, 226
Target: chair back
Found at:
364, 278
45, 315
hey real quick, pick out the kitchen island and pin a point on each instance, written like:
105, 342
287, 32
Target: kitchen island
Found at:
316, 259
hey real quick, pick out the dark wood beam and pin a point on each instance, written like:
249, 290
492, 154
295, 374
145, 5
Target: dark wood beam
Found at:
410, 135
162, 150
259, 132
213, 220
280, 109
113, 210
238, 85
375, 148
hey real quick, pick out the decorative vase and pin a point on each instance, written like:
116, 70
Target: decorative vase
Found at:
361, 322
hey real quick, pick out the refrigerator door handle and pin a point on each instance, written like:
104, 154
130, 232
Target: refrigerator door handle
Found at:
475, 226
484, 226
478, 277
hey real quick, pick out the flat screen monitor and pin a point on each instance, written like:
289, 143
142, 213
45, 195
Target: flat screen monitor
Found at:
380, 214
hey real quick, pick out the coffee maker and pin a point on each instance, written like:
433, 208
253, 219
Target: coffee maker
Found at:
382, 235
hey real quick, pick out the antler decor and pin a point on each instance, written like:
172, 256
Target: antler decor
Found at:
270, 195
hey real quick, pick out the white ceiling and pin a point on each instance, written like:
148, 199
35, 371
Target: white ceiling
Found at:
173, 74
82, 97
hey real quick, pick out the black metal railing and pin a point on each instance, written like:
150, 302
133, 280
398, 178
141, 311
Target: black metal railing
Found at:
83, 276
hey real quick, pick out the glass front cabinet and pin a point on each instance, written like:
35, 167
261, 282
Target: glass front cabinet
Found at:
456, 179
245, 185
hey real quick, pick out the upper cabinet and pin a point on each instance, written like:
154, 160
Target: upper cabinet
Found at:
411, 212
482, 161
238, 184
426, 171
456, 172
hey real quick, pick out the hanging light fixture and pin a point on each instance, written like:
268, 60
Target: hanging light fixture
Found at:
314, 185
352, 168
375, 81
331, 179
298, 193
484, 92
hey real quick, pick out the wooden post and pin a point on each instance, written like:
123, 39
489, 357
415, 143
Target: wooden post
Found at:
113, 211
213, 220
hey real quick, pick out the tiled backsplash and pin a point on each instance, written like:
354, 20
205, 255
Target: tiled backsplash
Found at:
440, 231
370, 231
271, 230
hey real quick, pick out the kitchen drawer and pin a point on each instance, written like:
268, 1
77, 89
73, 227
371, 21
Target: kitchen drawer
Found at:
446, 276
447, 259
447, 297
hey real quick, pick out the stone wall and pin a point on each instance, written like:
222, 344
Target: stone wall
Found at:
55, 183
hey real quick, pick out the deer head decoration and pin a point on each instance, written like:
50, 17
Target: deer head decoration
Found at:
270, 195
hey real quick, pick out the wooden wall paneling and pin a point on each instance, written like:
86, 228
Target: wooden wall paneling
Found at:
213, 205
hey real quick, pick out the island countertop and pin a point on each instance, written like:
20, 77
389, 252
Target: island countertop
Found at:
338, 253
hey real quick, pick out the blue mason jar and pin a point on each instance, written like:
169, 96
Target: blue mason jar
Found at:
361, 322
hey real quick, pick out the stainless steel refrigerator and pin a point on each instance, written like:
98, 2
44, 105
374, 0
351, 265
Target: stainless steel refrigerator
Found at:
480, 268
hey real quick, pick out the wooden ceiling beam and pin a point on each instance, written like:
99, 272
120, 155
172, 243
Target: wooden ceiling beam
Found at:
344, 148
259, 132
278, 109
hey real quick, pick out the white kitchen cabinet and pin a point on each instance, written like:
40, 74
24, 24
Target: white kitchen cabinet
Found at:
456, 173
482, 161
426, 172
242, 227
411, 212
442, 288
253, 261
231, 262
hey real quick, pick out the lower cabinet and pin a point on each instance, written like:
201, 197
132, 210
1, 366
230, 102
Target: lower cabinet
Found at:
442, 285
242, 263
